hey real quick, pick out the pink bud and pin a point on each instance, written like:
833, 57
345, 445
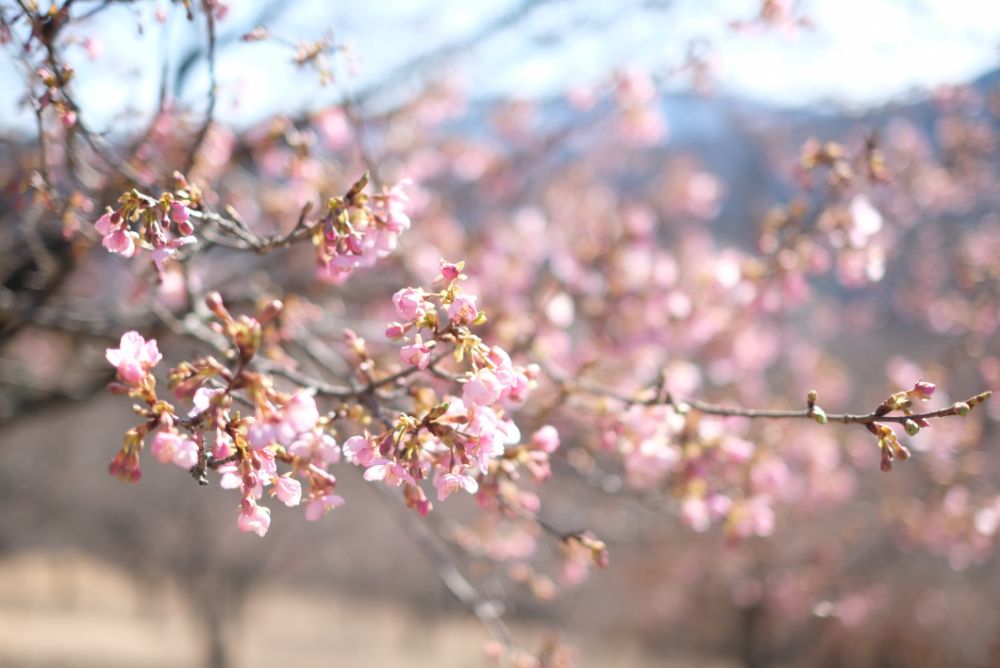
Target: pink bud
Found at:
355, 244
213, 300
450, 271
120, 242
394, 330
181, 216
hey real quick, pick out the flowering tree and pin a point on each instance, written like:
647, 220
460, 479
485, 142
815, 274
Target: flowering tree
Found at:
457, 315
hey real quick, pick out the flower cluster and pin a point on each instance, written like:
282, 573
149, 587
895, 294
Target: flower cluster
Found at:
287, 429
246, 451
53, 95
161, 225
457, 441
359, 229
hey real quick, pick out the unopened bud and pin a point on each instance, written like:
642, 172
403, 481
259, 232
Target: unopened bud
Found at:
961, 408
451, 271
886, 461
911, 427
271, 311
247, 336
386, 444
355, 244
924, 390
213, 300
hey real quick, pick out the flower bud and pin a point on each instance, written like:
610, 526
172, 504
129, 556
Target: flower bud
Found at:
394, 330
247, 336
355, 244
270, 312
819, 415
924, 390
912, 428
450, 271
886, 461
213, 300
961, 408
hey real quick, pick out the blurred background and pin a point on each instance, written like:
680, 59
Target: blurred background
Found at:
527, 122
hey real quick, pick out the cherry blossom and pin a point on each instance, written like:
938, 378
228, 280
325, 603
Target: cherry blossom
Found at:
134, 357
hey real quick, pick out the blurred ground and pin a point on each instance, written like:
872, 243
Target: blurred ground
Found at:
94, 572
67, 609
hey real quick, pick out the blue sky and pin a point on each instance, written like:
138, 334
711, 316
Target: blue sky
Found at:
862, 52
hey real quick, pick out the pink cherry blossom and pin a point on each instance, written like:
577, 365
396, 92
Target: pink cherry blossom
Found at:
120, 241
546, 439
482, 389
393, 473
262, 434
417, 354
134, 357
463, 309
163, 253
409, 303
170, 446
396, 218
318, 506
316, 446
695, 514
105, 225
359, 450
300, 412
230, 477
447, 483
253, 517
288, 490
